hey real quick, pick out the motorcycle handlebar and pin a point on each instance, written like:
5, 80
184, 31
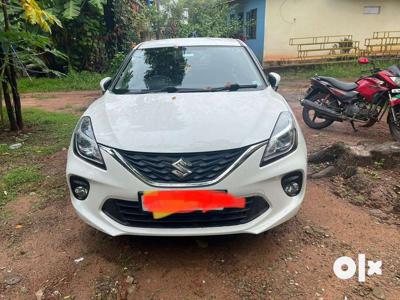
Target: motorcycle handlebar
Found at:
371, 71
375, 70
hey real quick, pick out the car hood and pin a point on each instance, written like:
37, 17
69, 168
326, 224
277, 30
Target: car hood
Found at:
183, 122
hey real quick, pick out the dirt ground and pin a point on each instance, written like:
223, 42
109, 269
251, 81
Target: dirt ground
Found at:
292, 261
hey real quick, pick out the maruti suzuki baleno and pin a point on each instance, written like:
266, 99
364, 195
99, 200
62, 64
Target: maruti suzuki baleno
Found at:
189, 138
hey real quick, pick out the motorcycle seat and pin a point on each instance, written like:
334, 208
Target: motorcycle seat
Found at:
344, 86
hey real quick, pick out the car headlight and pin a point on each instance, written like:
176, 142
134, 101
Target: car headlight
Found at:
85, 144
396, 80
283, 139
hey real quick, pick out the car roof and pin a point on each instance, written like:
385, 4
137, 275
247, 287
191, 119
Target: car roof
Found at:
190, 42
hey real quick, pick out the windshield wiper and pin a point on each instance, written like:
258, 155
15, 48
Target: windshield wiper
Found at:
234, 87
231, 87
174, 89
167, 89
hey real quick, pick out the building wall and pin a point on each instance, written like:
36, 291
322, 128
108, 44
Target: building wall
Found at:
304, 18
257, 45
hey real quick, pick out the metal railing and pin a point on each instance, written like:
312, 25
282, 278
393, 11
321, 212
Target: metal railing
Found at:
385, 34
383, 43
320, 47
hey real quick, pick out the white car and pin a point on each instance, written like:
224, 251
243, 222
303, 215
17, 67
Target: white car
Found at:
189, 117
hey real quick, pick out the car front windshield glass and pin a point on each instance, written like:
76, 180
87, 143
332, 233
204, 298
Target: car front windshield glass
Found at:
189, 69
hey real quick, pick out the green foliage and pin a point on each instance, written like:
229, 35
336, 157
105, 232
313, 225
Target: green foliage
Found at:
148, 21
94, 31
45, 134
116, 62
351, 70
16, 180
55, 129
72, 9
48, 132
98, 4
23, 47
74, 81
34, 14
21, 175
379, 163
209, 18
121, 33
206, 18
82, 40
29, 53
168, 62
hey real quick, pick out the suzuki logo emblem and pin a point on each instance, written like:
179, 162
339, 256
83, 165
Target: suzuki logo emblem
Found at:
181, 168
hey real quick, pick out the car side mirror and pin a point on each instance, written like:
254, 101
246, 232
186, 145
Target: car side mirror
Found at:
274, 79
105, 84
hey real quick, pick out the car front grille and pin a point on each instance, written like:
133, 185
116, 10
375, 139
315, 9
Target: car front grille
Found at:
198, 167
130, 213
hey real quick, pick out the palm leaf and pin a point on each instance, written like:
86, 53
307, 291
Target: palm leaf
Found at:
98, 4
72, 9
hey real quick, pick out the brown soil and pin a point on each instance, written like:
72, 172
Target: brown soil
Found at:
71, 102
293, 261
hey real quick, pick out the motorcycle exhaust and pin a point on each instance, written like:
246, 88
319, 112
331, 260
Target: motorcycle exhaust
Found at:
322, 110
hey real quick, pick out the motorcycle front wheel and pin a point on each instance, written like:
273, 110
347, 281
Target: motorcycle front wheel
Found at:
394, 128
315, 120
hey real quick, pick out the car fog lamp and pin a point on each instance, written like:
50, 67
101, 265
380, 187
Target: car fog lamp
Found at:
292, 189
80, 187
81, 192
292, 183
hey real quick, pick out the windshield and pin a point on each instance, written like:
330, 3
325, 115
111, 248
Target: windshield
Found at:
189, 69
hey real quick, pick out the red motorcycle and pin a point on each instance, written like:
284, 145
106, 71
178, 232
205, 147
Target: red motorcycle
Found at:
365, 101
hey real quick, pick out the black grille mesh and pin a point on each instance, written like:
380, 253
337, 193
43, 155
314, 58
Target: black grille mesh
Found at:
205, 166
130, 213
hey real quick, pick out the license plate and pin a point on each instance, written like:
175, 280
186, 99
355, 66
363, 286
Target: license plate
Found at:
164, 203
396, 91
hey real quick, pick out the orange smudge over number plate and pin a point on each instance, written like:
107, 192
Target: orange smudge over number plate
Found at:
165, 203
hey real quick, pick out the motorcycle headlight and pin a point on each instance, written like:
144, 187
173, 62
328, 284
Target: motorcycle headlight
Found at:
396, 80
85, 144
283, 139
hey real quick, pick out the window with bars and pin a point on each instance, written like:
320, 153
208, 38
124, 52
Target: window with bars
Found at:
251, 24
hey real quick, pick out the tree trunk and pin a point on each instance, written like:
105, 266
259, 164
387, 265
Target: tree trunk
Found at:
158, 29
109, 20
16, 122
9, 107
11, 74
1, 106
5, 13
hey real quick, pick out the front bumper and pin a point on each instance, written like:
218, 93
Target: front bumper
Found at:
246, 180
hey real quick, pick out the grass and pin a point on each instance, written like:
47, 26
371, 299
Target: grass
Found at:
72, 82
45, 133
21, 175
340, 70
17, 180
